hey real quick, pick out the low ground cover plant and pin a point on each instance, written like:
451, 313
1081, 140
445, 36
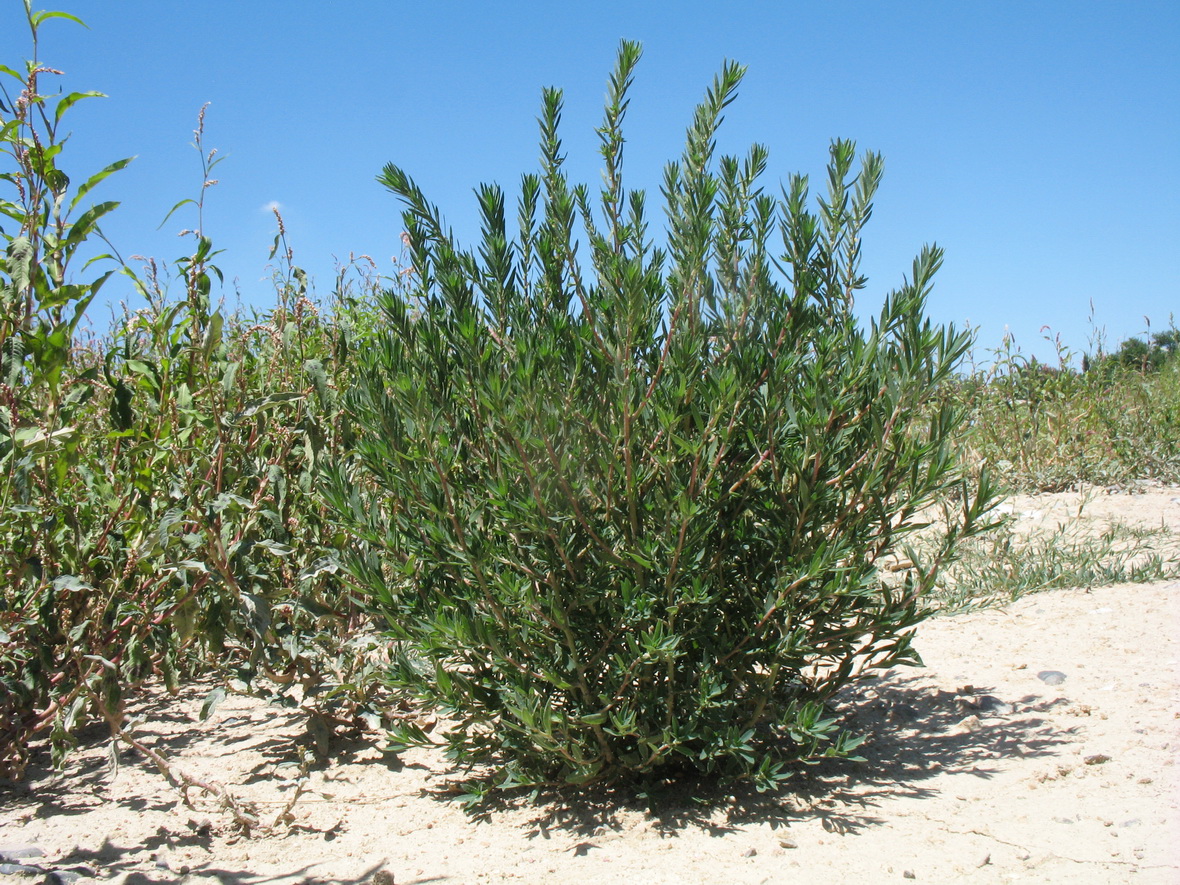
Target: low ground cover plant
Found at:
624, 506
1015, 560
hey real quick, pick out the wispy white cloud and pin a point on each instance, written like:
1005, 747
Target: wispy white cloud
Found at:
272, 206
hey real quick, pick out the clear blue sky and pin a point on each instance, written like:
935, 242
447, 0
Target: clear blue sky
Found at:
1039, 143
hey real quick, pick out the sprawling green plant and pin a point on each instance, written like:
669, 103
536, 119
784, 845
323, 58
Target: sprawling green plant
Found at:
159, 511
627, 504
44, 223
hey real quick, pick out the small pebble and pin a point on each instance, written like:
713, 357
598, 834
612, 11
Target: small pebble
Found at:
908, 874
984, 861
203, 828
993, 705
19, 869
971, 723
1096, 759
23, 852
750, 852
787, 843
1051, 677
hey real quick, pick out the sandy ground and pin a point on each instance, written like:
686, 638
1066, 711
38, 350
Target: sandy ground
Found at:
984, 766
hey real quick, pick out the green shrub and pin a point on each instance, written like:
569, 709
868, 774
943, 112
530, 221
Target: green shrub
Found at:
623, 508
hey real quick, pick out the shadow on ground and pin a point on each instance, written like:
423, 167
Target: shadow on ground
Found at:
914, 733
127, 865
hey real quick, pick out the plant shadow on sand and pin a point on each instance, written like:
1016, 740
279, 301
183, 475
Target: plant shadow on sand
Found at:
915, 733
125, 863
171, 727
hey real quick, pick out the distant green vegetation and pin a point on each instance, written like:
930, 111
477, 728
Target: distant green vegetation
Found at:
1048, 427
607, 510
1144, 356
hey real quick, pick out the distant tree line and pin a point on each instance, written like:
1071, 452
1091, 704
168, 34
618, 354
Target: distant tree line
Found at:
1149, 355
